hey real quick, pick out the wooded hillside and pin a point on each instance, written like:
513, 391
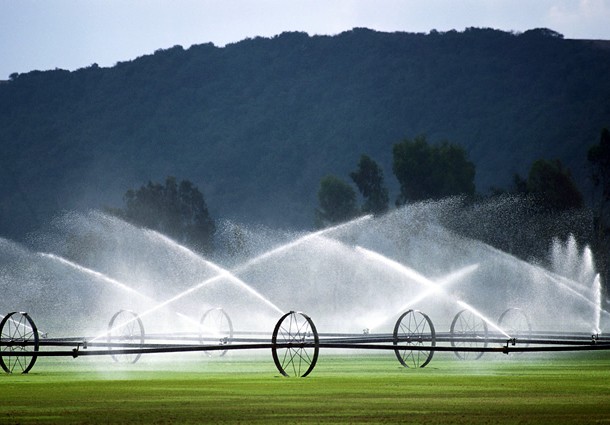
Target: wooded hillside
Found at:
256, 124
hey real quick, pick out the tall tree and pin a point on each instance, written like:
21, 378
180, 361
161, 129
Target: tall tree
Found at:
369, 179
177, 210
553, 186
337, 201
427, 171
599, 159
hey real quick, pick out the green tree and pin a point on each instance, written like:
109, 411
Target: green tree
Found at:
427, 171
369, 179
337, 201
552, 186
177, 210
599, 159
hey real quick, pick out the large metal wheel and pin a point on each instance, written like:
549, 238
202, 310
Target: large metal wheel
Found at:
295, 344
515, 323
18, 334
468, 331
415, 329
125, 327
215, 327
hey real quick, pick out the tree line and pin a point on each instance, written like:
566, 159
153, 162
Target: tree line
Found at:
424, 171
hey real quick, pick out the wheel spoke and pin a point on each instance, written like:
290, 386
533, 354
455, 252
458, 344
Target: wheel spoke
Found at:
468, 330
216, 326
125, 327
415, 329
19, 333
300, 356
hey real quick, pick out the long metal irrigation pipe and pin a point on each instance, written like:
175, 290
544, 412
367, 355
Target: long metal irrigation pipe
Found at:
529, 338
345, 343
351, 343
569, 342
195, 348
329, 338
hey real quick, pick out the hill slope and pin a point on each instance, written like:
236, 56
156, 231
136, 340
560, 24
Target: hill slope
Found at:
256, 124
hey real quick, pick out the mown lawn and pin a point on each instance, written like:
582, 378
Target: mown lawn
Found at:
565, 389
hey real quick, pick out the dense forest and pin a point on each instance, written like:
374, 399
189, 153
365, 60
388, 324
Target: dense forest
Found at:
257, 124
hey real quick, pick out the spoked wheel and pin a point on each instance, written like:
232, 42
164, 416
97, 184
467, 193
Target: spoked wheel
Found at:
515, 323
18, 335
125, 327
469, 331
415, 329
295, 344
215, 327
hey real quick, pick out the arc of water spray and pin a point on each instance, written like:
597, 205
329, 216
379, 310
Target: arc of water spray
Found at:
222, 273
110, 280
176, 298
595, 304
80, 268
231, 275
94, 273
444, 282
101, 277
188, 319
558, 280
300, 241
424, 280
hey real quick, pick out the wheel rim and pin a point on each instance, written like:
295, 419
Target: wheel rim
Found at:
125, 327
300, 355
18, 334
415, 329
469, 331
215, 327
515, 323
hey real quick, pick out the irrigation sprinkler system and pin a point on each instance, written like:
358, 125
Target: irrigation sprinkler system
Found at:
294, 342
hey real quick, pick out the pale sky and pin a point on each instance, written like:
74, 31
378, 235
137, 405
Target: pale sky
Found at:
71, 34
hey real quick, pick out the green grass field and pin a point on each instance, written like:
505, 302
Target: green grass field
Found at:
569, 388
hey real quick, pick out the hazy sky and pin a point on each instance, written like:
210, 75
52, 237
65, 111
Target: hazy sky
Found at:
70, 34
